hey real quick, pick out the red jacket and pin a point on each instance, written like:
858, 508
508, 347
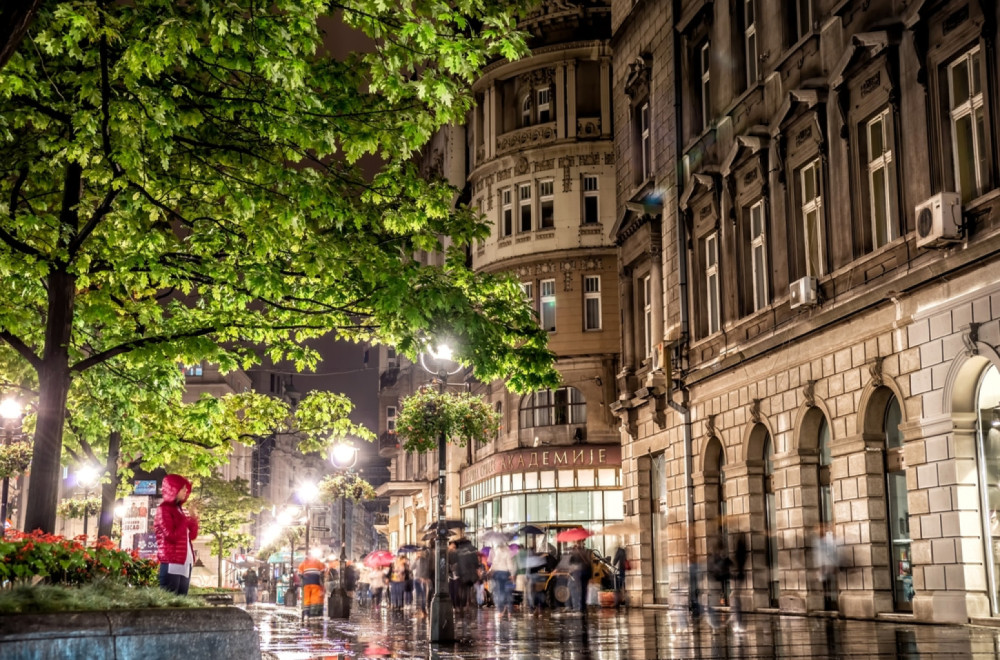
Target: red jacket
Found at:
174, 528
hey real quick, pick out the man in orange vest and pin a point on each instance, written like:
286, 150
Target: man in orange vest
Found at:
311, 570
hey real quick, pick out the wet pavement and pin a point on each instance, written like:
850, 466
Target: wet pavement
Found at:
633, 634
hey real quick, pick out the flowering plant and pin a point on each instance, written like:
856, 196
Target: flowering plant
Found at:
78, 507
427, 415
58, 560
14, 459
345, 486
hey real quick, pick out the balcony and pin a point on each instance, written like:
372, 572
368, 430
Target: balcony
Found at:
388, 444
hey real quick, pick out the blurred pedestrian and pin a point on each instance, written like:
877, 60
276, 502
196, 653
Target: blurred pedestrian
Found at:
581, 571
175, 530
250, 586
619, 563
827, 564
311, 572
738, 574
503, 570
720, 570
422, 577
398, 574
376, 582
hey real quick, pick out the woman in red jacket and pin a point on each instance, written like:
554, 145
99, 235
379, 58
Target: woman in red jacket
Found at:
174, 532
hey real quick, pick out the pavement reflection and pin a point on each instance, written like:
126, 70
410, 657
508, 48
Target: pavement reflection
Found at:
635, 634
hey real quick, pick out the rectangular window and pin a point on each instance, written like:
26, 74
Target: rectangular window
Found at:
591, 302
390, 419
196, 370
750, 41
712, 282
528, 288
546, 212
758, 256
590, 207
803, 18
647, 316
544, 114
524, 206
645, 143
968, 123
547, 292
812, 217
506, 213
706, 88
881, 179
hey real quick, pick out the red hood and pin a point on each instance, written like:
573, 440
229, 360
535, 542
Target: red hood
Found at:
172, 485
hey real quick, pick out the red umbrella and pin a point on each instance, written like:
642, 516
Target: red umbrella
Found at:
378, 559
574, 534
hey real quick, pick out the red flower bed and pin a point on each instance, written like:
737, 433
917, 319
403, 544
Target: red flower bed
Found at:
58, 560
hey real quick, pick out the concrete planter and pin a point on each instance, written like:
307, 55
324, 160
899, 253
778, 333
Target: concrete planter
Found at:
153, 634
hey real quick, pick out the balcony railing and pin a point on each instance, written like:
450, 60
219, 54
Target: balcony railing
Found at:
388, 444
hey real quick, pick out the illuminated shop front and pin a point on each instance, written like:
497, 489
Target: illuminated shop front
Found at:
545, 486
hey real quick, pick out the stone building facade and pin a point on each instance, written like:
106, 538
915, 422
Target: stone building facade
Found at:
817, 182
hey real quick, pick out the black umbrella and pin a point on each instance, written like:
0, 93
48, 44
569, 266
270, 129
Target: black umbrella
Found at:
529, 529
431, 535
447, 524
408, 548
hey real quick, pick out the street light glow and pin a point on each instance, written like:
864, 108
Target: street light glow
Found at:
88, 475
308, 492
443, 352
343, 456
10, 409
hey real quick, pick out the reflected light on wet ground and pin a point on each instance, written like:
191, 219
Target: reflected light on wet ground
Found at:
635, 634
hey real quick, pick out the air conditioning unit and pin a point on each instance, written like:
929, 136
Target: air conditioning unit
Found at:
804, 292
939, 220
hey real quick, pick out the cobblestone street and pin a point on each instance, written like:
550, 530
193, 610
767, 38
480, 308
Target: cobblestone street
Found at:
635, 634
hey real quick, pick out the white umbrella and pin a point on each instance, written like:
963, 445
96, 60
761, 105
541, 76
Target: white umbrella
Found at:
619, 529
495, 538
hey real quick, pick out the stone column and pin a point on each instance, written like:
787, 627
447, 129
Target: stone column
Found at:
797, 502
626, 294
559, 103
859, 513
605, 98
949, 572
570, 104
489, 123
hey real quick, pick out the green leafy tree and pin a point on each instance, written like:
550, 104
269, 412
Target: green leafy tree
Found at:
224, 509
179, 181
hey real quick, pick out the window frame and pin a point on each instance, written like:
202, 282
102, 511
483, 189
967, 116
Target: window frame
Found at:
886, 162
713, 320
705, 82
506, 212
526, 107
591, 194
750, 43
546, 201
390, 418
525, 208
543, 106
646, 290
968, 108
803, 27
589, 295
546, 302
572, 408
758, 267
806, 207
645, 142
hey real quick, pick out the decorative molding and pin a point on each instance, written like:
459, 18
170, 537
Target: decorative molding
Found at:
544, 165
971, 338
809, 392
711, 429
755, 411
638, 77
875, 371
521, 166
522, 138
537, 78
588, 127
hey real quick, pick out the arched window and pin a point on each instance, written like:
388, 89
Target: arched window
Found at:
988, 456
770, 516
901, 568
553, 408
526, 111
826, 537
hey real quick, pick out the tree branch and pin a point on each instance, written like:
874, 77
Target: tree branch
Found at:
135, 344
23, 349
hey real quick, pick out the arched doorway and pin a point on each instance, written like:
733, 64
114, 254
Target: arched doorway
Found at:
988, 463
716, 506
770, 523
897, 509
826, 541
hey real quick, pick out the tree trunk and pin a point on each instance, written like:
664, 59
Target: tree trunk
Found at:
220, 564
109, 490
16, 17
53, 386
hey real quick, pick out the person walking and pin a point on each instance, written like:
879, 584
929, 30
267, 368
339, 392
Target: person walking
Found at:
720, 569
619, 563
422, 578
581, 571
397, 582
376, 582
175, 530
311, 570
250, 586
503, 570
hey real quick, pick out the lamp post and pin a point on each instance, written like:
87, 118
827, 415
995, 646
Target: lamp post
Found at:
343, 456
10, 410
307, 494
288, 516
87, 477
439, 364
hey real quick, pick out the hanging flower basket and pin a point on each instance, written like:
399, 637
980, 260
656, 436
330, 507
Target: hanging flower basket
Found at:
427, 415
14, 459
345, 487
78, 507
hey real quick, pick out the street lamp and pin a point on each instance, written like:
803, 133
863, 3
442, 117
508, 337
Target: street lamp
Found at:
307, 493
343, 456
10, 410
87, 477
439, 363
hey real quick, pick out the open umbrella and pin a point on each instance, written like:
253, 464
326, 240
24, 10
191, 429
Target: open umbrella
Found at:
430, 536
378, 559
618, 529
530, 530
407, 548
495, 538
447, 524
574, 534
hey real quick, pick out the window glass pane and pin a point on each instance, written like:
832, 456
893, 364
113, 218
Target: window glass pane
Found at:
585, 478
812, 243
547, 219
875, 144
713, 304
960, 82
808, 183
760, 284
516, 481
549, 315
964, 156
825, 457
590, 209
567, 479
597, 504
530, 480
879, 205
893, 417
976, 84
574, 506
614, 505
756, 226
751, 58
548, 480
513, 509
606, 477
981, 148
593, 314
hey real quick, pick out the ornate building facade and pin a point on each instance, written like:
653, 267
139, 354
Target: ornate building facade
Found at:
817, 184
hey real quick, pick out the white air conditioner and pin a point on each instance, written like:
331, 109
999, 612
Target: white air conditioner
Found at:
939, 219
804, 292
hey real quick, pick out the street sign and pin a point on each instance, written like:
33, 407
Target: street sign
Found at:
320, 528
